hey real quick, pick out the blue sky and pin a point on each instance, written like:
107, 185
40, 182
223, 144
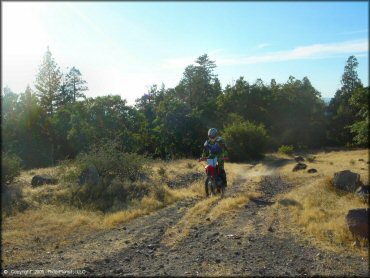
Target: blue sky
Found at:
125, 47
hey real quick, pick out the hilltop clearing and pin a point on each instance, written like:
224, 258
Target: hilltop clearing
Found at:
271, 222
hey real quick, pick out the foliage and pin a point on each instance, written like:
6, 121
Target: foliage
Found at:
245, 140
111, 161
57, 122
342, 115
10, 168
360, 101
48, 81
286, 149
119, 174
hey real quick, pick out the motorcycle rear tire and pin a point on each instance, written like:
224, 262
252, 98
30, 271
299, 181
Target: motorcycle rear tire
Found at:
209, 188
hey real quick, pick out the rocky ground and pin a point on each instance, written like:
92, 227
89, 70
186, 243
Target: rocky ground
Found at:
247, 242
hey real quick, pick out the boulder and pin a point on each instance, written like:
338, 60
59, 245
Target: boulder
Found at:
299, 159
347, 181
358, 222
299, 166
43, 179
312, 170
363, 192
89, 176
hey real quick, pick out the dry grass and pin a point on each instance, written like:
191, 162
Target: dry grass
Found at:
319, 210
50, 221
226, 206
28, 234
193, 217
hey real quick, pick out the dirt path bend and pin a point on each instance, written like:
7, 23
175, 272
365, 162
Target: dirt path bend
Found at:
245, 242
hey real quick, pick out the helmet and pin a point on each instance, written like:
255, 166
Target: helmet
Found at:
212, 133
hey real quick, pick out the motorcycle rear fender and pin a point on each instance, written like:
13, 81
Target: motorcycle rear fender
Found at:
210, 170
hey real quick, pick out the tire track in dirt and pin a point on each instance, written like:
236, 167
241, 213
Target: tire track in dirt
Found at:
246, 242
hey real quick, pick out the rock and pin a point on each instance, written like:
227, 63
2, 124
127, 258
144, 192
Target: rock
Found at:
363, 192
299, 166
89, 176
299, 159
346, 181
312, 170
43, 179
358, 222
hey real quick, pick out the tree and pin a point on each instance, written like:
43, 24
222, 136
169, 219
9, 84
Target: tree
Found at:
350, 80
341, 113
199, 84
360, 101
48, 82
75, 85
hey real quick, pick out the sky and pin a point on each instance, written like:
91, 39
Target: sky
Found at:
123, 48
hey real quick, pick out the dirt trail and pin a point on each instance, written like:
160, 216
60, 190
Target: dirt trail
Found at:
247, 242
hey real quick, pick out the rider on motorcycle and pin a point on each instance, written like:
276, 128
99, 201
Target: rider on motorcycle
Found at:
215, 145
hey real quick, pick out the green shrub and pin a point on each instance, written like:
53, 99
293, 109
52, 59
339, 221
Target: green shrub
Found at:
111, 161
119, 174
245, 140
286, 149
12, 199
10, 168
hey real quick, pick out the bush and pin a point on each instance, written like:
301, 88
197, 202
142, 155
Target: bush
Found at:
286, 149
119, 173
111, 161
245, 140
12, 199
10, 168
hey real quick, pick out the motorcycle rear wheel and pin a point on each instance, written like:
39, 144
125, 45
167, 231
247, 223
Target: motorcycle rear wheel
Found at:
209, 187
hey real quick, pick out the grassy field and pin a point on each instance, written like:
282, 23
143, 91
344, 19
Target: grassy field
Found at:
319, 210
50, 222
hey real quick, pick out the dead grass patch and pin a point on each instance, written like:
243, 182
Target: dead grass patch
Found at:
28, 234
193, 217
226, 206
321, 214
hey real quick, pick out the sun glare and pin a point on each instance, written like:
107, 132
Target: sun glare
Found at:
24, 40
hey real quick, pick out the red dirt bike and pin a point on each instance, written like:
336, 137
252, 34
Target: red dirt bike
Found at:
213, 183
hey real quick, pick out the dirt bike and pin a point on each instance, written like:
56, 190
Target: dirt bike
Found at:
213, 183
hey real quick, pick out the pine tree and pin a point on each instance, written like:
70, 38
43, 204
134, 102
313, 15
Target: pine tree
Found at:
48, 82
